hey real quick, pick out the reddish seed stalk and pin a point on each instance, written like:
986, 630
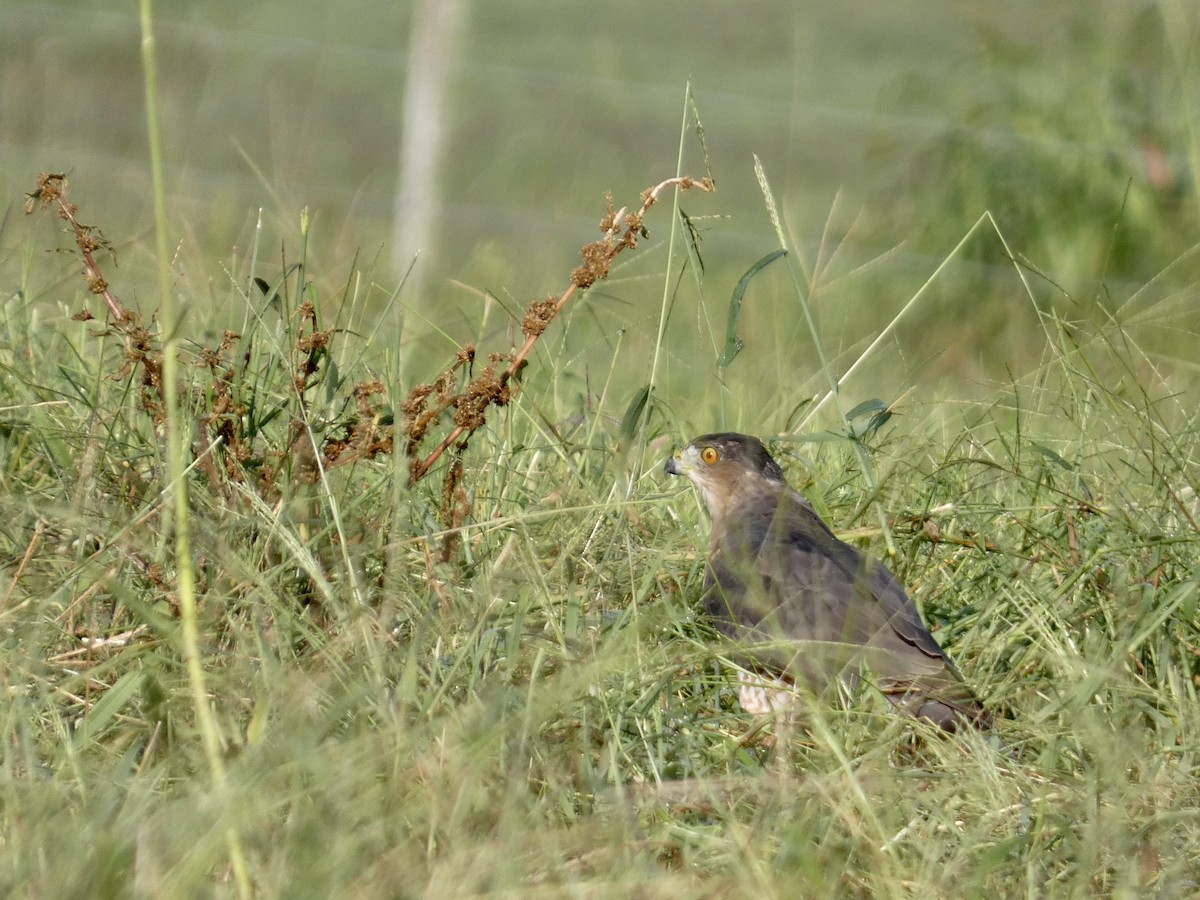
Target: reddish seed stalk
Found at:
67, 211
51, 188
629, 227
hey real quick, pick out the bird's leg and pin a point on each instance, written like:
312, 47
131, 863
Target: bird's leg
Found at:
785, 711
785, 737
774, 701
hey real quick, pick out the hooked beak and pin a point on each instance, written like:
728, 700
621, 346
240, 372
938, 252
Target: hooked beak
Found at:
675, 464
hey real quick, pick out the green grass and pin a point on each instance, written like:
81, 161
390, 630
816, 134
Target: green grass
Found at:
544, 713
530, 704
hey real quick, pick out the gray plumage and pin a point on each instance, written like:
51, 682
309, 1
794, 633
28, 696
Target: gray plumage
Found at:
801, 603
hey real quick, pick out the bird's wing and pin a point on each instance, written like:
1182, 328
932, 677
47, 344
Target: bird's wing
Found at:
778, 574
815, 607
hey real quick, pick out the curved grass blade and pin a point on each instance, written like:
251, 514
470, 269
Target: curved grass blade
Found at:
733, 343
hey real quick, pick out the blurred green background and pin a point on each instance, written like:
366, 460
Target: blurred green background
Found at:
886, 131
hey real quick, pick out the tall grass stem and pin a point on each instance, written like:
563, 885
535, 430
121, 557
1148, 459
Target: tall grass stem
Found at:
176, 437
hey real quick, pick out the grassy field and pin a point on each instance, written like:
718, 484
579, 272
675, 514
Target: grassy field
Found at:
492, 677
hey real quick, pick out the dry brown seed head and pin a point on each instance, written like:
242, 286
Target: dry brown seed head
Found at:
609, 221
538, 316
314, 341
415, 401
597, 257
472, 404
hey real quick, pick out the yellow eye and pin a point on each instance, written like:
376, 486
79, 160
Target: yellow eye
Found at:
710, 455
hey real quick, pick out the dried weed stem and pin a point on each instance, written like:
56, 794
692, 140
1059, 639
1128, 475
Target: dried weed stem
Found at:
621, 231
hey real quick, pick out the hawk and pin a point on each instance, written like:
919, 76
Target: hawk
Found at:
805, 606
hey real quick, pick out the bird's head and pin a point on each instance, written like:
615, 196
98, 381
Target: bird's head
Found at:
726, 465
